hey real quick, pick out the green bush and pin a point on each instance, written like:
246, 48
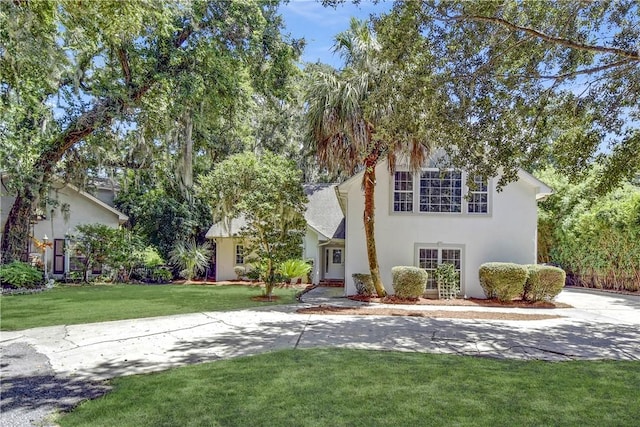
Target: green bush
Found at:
21, 275
364, 284
161, 275
151, 257
503, 280
408, 281
292, 268
544, 282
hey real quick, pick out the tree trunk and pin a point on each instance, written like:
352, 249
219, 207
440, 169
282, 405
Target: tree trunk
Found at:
16, 229
369, 184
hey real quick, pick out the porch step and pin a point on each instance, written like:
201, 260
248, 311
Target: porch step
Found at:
332, 283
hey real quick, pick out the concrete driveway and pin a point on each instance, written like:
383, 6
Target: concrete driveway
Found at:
600, 326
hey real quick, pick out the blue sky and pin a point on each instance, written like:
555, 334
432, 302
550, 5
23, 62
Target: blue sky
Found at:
318, 25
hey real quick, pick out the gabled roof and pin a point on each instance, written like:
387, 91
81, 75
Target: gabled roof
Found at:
323, 215
122, 218
220, 229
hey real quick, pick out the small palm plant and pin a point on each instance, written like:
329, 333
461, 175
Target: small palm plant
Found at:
293, 268
191, 258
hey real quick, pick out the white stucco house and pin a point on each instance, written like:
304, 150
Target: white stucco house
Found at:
70, 207
421, 219
323, 242
427, 218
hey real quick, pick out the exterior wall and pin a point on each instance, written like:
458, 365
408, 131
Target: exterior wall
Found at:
310, 251
507, 233
81, 211
226, 258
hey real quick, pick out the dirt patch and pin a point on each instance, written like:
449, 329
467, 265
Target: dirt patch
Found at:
470, 302
262, 298
390, 311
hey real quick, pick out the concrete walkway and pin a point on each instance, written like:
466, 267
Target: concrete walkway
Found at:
600, 326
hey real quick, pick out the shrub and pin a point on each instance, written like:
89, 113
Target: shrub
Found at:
191, 258
408, 281
20, 275
161, 275
503, 280
151, 257
448, 281
293, 268
364, 284
240, 271
544, 282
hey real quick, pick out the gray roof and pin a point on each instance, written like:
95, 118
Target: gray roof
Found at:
323, 211
323, 215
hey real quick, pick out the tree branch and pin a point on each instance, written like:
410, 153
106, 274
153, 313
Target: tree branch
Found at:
124, 64
635, 56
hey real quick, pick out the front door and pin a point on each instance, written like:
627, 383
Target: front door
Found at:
334, 263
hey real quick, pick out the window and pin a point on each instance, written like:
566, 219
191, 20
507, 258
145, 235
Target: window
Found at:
239, 254
431, 258
440, 191
403, 192
478, 197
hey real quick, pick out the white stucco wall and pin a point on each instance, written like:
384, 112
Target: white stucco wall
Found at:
226, 258
310, 251
507, 234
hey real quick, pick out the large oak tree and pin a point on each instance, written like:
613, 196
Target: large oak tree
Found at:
77, 75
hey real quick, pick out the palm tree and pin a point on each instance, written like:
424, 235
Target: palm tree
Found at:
342, 119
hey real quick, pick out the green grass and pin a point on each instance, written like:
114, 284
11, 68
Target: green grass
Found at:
334, 387
69, 305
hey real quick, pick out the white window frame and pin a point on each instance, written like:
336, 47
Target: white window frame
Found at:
440, 247
239, 254
468, 196
450, 175
403, 192
482, 189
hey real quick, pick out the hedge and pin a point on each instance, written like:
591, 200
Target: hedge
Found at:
503, 280
408, 281
544, 282
364, 284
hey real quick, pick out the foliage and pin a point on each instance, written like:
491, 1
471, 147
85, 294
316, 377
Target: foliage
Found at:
191, 258
161, 275
448, 281
593, 237
160, 213
544, 282
72, 305
266, 192
116, 249
503, 280
364, 284
409, 281
517, 83
240, 271
112, 85
577, 392
151, 257
295, 267
20, 275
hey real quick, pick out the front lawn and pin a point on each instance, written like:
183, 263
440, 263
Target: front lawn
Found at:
339, 387
68, 305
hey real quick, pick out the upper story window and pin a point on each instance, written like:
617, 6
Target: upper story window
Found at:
439, 192
403, 192
479, 197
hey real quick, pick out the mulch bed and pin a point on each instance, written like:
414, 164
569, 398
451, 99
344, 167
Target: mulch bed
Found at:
472, 302
439, 314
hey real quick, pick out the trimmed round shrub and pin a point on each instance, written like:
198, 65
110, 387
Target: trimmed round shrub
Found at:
20, 275
409, 281
364, 284
503, 280
544, 282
